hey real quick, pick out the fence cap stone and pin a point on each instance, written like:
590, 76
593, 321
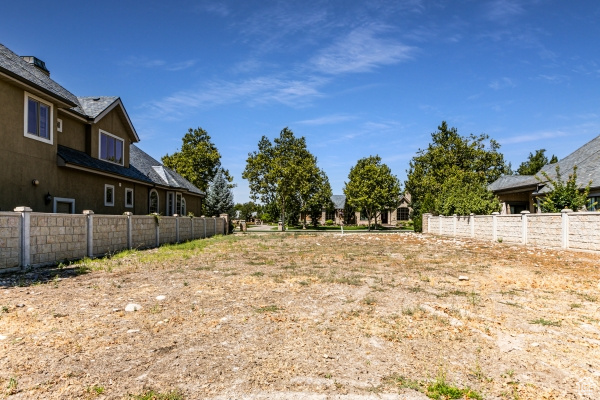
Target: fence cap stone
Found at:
495, 213
22, 209
88, 212
566, 210
525, 212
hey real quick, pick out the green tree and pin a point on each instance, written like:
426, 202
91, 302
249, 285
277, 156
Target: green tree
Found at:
219, 199
564, 194
535, 162
315, 198
198, 160
371, 187
247, 209
282, 173
452, 174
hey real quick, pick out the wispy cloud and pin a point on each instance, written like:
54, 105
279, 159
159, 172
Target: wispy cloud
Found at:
213, 7
502, 83
532, 137
145, 62
260, 90
502, 10
362, 50
328, 120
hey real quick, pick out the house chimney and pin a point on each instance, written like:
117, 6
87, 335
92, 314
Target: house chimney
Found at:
36, 62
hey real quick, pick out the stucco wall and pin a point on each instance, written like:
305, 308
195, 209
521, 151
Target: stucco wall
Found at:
483, 226
509, 228
572, 230
544, 230
57, 237
10, 240
143, 231
584, 231
463, 226
110, 234
168, 234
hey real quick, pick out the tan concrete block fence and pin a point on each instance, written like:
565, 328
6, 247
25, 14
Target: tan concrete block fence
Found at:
567, 230
34, 239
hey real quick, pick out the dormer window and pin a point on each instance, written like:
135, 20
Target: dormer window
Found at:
38, 118
111, 148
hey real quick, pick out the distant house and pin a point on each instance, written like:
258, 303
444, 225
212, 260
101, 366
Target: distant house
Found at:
339, 211
522, 192
65, 154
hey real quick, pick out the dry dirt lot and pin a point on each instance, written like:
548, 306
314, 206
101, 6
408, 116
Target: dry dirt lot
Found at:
359, 316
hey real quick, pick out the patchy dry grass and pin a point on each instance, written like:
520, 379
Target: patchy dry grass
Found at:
280, 313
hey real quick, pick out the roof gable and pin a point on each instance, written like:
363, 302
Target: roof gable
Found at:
98, 107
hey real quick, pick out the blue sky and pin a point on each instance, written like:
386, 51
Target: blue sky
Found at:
356, 78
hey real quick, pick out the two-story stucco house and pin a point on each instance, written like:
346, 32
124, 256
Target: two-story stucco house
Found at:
62, 153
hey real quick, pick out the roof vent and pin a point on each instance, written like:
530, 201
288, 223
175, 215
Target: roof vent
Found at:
36, 62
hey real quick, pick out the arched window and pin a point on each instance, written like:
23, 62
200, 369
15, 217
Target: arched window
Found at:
183, 207
153, 203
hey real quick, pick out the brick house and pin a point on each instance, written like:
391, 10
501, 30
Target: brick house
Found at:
65, 154
339, 210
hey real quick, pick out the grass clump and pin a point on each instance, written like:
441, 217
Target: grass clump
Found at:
266, 309
544, 322
153, 395
441, 390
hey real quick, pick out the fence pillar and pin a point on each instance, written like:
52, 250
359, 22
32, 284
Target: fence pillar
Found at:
129, 230
157, 230
565, 227
25, 239
204, 223
176, 227
454, 217
225, 223
495, 226
440, 224
524, 226
472, 224
215, 218
89, 222
425, 223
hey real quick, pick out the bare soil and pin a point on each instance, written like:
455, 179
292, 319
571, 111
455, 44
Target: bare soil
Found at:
306, 317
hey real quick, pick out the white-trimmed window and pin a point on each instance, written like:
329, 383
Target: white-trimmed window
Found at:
109, 195
170, 204
153, 202
58, 125
183, 207
38, 118
128, 198
111, 148
178, 198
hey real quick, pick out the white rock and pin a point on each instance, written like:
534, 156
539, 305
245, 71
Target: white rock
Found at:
133, 307
133, 330
2, 337
463, 278
161, 297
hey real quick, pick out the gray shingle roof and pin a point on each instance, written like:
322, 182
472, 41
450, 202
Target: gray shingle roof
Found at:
71, 156
93, 106
586, 158
12, 64
339, 201
158, 173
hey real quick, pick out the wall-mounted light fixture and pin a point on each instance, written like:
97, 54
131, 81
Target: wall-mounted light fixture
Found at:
35, 182
48, 198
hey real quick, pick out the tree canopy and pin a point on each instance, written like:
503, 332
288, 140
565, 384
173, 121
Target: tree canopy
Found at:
535, 162
452, 174
564, 194
372, 188
219, 199
285, 173
198, 160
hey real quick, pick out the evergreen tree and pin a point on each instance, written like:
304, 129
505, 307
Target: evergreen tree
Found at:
219, 199
535, 162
